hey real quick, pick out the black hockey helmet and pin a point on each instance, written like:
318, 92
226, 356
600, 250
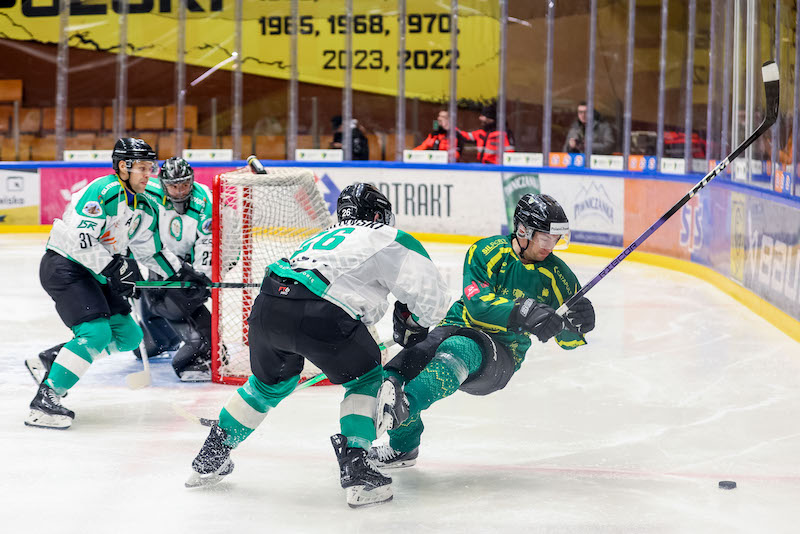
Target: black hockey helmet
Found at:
130, 149
540, 213
176, 171
363, 202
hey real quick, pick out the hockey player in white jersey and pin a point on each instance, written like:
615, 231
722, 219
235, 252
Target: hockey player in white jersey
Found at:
317, 305
86, 272
170, 315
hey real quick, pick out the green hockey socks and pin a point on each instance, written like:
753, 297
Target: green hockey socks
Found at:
249, 405
357, 410
120, 332
456, 358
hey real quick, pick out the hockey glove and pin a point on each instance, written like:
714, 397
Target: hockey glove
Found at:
122, 274
535, 317
580, 317
201, 285
407, 331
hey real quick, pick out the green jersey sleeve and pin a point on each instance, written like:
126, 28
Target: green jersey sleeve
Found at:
485, 304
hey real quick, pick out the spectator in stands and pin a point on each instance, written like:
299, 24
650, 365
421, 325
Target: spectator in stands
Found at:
437, 139
603, 141
487, 137
359, 143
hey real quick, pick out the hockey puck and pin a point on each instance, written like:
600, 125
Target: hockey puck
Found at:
727, 484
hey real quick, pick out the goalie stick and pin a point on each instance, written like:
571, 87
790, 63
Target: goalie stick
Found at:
139, 379
771, 79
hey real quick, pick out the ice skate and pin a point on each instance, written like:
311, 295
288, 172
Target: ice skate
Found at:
392, 406
198, 371
386, 457
47, 411
359, 476
213, 461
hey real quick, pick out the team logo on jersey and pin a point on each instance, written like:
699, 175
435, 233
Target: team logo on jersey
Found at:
206, 227
135, 223
471, 290
176, 227
92, 208
90, 225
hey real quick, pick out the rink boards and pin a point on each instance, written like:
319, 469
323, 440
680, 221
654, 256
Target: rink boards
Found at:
748, 235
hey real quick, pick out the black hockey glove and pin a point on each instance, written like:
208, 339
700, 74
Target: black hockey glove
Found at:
200, 289
122, 274
580, 317
406, 330
535, 317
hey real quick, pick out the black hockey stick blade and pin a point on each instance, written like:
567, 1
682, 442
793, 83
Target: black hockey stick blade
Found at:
772, 91
256, 165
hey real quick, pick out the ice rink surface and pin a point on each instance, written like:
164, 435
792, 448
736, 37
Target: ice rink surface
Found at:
679, 388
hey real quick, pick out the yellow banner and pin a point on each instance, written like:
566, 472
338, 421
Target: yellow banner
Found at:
152, 29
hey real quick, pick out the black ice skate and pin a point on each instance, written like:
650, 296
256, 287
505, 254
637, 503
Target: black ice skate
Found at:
392, 407
213, 462
386, 457
47, 411
197, 371
359, 475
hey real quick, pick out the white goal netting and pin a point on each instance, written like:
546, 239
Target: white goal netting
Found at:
259, 218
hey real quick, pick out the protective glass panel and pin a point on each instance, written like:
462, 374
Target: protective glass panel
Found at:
570, 68
525, 73
609, 81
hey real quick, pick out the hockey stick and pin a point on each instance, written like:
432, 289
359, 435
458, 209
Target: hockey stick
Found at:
139, 379
310, 382
771, 79
177, 284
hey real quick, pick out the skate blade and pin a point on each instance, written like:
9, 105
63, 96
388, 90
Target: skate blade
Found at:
195, 376
196, 480
43, 420
395, 465
358, 496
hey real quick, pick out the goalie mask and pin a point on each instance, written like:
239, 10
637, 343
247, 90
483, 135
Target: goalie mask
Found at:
542, 214
177, 178
129, 150
364, 202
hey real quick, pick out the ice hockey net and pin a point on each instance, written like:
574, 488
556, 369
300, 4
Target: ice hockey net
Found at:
259, 218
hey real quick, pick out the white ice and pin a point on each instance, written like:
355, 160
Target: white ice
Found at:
679, 388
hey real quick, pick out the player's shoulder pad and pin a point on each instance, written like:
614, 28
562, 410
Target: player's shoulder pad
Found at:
488, 246
102, 192
411, 243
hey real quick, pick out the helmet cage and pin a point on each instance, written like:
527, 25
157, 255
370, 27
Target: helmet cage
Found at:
176, 171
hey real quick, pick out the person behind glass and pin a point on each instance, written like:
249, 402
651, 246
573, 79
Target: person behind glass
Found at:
359, 140
487, 137
437, 139
603, 141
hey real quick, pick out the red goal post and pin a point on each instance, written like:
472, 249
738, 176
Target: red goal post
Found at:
258, 219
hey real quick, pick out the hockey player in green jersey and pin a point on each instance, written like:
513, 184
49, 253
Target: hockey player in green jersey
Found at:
316, 305
511, 287
174, 315
87, 273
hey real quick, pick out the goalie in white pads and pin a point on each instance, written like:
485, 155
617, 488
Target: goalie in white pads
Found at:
184, 227
86, 272
317, 305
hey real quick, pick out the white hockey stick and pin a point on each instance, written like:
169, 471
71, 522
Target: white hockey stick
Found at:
139, 379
